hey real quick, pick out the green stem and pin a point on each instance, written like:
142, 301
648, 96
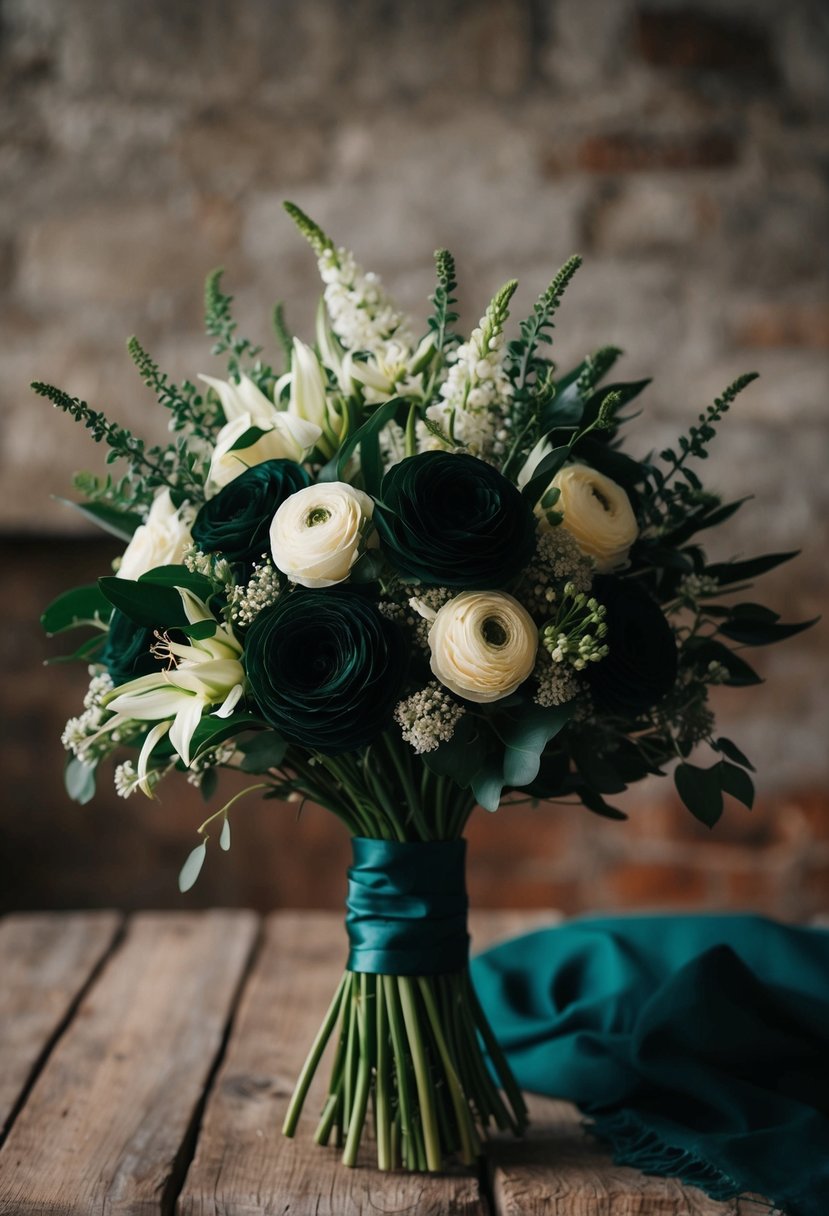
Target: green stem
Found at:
423, 1079
382, 1110
313, 1059
361, 1091
400, 1062
470, 1145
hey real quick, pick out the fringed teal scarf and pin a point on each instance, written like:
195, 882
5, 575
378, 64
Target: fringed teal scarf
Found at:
697, 1045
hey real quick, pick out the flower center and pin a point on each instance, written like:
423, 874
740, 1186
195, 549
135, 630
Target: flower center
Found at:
604, 502
493, 632
317, 515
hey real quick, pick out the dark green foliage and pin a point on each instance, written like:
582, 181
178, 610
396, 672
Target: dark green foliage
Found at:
443, 300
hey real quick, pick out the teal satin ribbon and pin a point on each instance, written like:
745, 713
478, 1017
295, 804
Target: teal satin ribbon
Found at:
407, 907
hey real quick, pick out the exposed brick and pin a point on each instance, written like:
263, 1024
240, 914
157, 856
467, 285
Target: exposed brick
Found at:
778, 324
690, 39
640, 151
652, 884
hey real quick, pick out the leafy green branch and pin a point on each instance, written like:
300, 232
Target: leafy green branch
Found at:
191, 410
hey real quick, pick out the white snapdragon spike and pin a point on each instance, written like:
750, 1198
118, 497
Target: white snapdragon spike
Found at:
483, 645
161, 540
317, 534
476, 394
362, 315
246, 408
308, 400
204, 676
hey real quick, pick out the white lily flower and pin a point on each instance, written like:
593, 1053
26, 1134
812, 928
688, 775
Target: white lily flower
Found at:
246, 408
307, 398
391, 369
205, 676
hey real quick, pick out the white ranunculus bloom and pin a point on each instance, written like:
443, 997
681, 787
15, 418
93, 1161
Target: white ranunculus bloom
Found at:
597, 514
483, 645
246, 408
160, 541
316, 534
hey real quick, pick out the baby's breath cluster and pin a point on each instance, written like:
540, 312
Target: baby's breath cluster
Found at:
574, 635
558, 560
82, 734
260, 592
214, 757
555, 683
428, 717
210, 565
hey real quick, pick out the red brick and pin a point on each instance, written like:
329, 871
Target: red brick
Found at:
689, 40
754, 890
813, 808
779, 325
511, 889
638, 151
651, 884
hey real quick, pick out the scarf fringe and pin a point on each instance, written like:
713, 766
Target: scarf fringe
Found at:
639, 1147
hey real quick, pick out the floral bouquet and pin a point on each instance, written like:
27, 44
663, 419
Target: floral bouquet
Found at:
402, 578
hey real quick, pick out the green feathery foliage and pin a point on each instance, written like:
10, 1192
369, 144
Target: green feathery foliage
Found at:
444, 301
174, 466
191, 409
283, 335
314, 235
495, 317
219, 324
596, 367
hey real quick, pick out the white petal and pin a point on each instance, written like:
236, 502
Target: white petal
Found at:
230, 702
158, 732
184, 727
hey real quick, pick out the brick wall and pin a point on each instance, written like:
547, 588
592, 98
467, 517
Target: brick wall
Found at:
681, 147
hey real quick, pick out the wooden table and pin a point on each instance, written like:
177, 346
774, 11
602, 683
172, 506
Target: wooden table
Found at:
145, 1066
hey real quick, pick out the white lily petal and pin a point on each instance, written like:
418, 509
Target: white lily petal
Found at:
184, 726
156, 734
149, 706
301, 432
230, 702
194, 608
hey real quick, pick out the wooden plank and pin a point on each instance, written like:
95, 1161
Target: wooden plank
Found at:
559, 1170
46, 959
243, 1165
106, 1125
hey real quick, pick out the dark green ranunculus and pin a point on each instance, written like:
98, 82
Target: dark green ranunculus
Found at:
448, 519
236, 521
641, 664
326, 668
126, 653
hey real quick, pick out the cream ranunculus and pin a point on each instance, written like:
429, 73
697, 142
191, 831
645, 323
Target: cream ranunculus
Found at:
160, 541
316, 534
246, 408
483, 645
597, 514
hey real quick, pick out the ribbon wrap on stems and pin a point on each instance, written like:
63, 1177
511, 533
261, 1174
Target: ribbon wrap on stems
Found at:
407, 906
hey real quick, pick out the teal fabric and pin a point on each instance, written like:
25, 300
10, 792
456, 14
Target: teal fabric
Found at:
406, 907
699, 1045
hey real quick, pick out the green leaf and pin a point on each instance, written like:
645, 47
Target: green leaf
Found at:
754, 631
118, 523
368, 567
733, 752
701, 791
487, 785
706, 650
80, 606
727, 573
594, 802
88, 652
79, 779
209, 782
266, 750
525, 733
146, 603
461, 756
736, 782
211, 731
248, 438
178, 576
366, 438
192, 867
545, 472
